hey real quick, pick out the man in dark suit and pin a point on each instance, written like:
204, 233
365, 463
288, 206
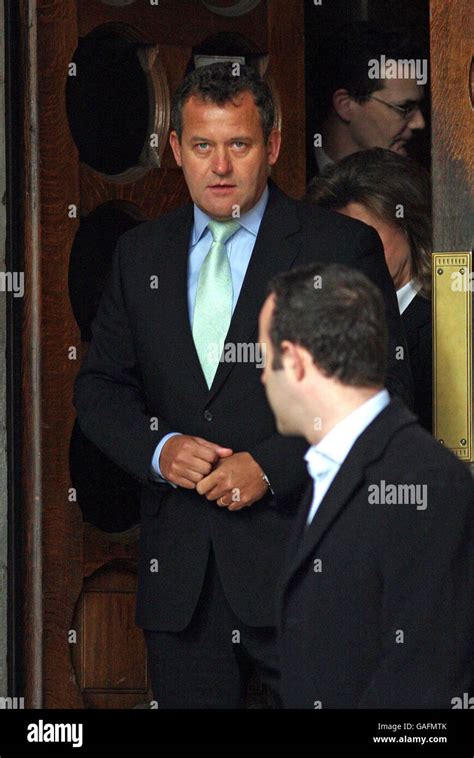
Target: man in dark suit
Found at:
368, 92
170, 390
376, 600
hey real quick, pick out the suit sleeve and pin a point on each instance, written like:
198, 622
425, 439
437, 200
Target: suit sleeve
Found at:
371, 261
108, 391
428, 599
282, 460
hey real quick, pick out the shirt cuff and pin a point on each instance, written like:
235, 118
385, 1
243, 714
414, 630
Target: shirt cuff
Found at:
155, 471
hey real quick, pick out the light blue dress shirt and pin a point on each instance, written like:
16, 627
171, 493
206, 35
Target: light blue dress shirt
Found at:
239, 250
326, 458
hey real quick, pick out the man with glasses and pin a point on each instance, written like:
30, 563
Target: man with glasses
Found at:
357, 111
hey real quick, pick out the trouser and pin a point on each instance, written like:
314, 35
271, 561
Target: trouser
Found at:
209, 664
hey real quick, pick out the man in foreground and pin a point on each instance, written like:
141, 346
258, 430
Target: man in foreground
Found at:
376, 602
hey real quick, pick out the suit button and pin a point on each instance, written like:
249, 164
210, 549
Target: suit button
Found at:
208, 415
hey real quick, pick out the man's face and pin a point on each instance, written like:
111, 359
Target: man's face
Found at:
277, 387
374, 124
223, 155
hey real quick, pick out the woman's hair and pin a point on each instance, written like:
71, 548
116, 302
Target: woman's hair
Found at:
392, 187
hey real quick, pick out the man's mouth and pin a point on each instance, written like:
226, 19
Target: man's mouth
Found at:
399, 145
402, 139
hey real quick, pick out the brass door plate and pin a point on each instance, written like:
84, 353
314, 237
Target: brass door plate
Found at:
453, 285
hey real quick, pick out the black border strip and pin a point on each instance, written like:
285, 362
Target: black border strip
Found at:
14, 95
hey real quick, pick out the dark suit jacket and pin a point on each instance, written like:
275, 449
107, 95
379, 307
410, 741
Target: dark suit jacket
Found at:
417, 322
141, 379
387, 570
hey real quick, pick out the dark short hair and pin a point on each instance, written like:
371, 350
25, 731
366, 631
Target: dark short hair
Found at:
342, 61
341, 323
382, 181
218, 83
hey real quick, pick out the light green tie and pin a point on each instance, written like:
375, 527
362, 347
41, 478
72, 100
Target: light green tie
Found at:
213, 305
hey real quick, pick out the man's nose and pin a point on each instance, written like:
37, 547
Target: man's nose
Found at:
417, 120
221, 162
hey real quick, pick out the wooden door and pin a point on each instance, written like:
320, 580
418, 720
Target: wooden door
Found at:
452, 85
97, 161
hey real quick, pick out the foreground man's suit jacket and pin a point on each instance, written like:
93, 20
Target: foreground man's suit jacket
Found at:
387, 618
142, 371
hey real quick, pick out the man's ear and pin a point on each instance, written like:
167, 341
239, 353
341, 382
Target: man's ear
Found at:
176, 147
293, 359
273, 146
343, 104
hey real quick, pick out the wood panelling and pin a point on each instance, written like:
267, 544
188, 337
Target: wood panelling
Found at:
286, 66
452, 51
177, 22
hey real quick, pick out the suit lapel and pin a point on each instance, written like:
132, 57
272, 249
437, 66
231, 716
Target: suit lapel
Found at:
174, 253
295, 539
367, 448
348, 478
300, 522
272, 253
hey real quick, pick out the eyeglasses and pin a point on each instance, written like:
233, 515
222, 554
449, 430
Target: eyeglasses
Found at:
404, 110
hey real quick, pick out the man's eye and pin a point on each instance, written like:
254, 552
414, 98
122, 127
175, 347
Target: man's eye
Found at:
239, 144
202, 145
409, 108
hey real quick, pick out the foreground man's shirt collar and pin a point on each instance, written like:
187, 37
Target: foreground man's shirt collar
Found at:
338, 442
325, 459
322, 159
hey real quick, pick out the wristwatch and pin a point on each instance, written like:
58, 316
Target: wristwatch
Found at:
267, 481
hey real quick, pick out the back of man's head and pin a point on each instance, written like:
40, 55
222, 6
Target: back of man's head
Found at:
338, 315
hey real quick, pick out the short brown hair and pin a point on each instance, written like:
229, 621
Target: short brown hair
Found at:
338, 315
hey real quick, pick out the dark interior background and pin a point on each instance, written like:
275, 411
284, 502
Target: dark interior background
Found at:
324, 20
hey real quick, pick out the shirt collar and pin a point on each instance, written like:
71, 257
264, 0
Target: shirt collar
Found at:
250, 220
407, 293
322, 158
335, 446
